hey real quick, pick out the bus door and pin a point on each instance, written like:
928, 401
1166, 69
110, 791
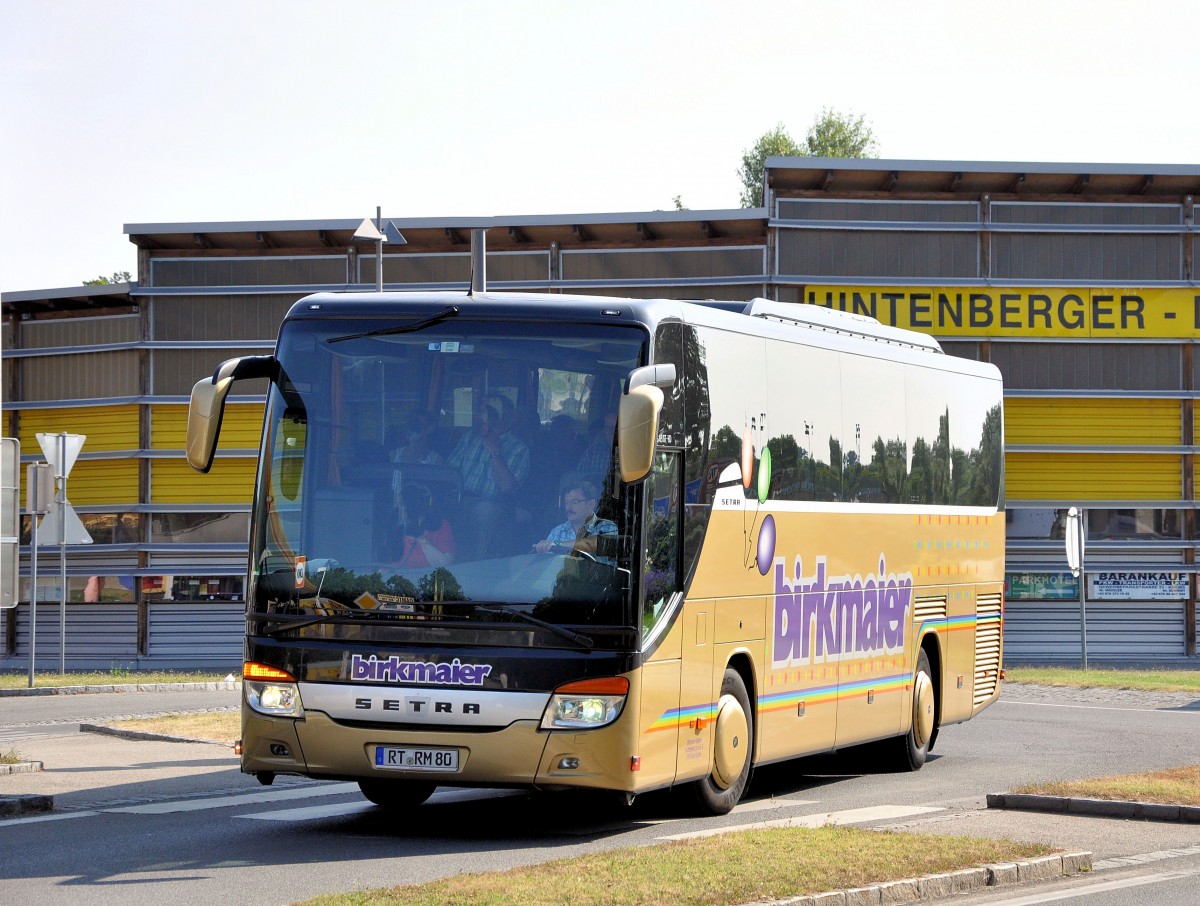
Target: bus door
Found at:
685, 631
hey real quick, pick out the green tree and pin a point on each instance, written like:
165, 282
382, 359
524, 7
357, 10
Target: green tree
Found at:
776, 143
117, 277
832, 134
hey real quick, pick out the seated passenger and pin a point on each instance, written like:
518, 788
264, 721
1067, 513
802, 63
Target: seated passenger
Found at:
492, 459
415, 438
428, 540
583, 527
494, 464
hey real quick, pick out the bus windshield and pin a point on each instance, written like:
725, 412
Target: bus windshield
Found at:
429, 467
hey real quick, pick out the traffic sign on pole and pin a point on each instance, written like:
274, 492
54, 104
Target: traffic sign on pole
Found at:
61, 451
73, 531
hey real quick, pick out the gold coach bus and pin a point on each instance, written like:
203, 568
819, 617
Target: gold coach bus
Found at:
783, 535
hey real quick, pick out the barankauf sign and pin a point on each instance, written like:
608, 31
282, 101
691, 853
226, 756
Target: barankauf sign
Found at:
1138, 586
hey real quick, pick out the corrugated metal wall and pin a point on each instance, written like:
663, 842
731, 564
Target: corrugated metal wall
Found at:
108, 428
1092, 476
662, 264
80, 331
174, 481
1049, 632
1089, 421
102, 636
87, 376
241, 426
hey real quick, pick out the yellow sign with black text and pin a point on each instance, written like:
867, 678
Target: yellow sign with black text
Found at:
1021, 311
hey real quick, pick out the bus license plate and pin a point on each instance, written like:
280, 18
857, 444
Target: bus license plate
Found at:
416, 759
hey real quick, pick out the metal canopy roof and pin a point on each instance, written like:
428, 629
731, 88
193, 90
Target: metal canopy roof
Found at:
839, 176
454, 233
68, 299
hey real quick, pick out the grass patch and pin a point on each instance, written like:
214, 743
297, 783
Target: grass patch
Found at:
1138, 680
12, 756
219, 726
730, 868
117, 676
1177, 786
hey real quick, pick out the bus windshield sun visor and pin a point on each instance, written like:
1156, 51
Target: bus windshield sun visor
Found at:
443, 315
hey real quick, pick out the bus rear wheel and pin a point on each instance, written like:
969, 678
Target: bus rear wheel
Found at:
733, 747
913, 747
396, 794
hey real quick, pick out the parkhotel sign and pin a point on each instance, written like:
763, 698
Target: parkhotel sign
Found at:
1052, 312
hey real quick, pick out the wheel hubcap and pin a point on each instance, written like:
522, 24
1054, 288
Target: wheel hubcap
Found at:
730, 737
922, 710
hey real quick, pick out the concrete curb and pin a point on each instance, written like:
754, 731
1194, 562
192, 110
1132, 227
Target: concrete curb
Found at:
222, 686
1099, 808
16, 806
145, 735
951, 883
22, 767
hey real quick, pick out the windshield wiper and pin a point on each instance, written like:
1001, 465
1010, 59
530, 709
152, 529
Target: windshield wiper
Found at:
290, 623
583, 641
443, 315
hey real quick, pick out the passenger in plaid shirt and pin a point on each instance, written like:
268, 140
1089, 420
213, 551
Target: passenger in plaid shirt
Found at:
492, 461
494, 465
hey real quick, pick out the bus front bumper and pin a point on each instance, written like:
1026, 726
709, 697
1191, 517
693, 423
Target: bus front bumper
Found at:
519, 755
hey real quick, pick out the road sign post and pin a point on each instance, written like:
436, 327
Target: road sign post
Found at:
39, 497
1076, 541
61, 451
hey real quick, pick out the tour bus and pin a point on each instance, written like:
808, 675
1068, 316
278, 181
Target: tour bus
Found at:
554, 541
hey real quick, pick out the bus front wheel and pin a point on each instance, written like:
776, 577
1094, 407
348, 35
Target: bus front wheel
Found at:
396, 794
733, 747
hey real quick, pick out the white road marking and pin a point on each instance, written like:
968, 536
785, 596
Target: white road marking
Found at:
1010, 701
48, 816
199, 805
317, 811
192, 805
850, 816
1143, 858
1085, 890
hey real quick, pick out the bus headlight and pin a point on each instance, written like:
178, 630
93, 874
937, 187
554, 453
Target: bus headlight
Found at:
271, 691
586, 704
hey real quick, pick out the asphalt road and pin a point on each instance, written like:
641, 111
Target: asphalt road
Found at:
178, 822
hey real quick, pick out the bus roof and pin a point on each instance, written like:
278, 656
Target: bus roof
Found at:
518, 306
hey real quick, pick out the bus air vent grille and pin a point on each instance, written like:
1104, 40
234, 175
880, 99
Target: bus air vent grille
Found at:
987, 647
927, 609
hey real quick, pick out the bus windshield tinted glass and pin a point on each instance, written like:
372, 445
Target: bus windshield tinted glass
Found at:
435, 473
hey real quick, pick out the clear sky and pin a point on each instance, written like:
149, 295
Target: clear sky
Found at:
122, 112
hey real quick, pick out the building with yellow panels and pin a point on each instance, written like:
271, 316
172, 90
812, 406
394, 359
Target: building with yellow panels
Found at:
1077, 281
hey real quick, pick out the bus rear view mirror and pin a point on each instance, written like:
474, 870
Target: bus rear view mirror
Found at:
637, 429
208, 405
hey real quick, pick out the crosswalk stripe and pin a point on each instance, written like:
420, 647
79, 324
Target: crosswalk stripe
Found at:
197, 805
336, 810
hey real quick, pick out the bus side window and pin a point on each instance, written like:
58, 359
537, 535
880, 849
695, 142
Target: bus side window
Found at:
662, 574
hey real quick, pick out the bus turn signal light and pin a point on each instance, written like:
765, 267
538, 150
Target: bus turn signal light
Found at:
254, 671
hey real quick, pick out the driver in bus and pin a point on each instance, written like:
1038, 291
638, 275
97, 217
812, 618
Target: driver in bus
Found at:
583, 528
